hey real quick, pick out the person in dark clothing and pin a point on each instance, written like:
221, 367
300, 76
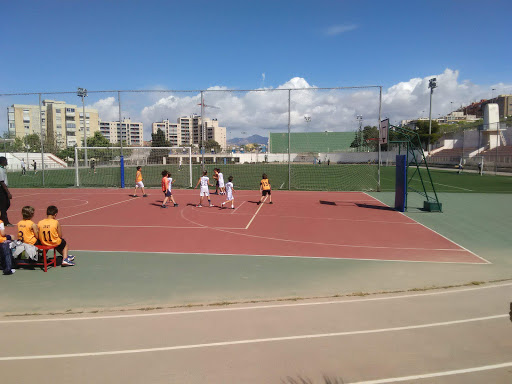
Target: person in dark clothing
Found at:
5, 194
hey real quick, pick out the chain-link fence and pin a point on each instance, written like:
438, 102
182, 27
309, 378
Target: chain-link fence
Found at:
302, 138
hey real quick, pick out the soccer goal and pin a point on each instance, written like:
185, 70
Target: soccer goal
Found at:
108, 167
475, 163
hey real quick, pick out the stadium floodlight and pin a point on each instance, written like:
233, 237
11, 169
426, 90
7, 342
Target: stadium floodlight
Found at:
431, 84
82, 92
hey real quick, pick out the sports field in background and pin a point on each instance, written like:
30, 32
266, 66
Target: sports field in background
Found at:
335, 177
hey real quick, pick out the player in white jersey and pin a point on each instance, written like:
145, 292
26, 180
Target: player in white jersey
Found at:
222, 188
229, 193
204, 191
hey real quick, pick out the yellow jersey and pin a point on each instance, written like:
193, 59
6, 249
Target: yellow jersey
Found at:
138, 176
48, 234
25, 232
265, 185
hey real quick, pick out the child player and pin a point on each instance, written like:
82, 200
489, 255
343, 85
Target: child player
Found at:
50, 233
5, 251
27, 229
204, 191
167, 181
216, 178
229, 193
139, 183
265, 189
220, 178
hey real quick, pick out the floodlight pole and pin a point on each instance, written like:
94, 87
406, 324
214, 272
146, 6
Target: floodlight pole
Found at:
431, 84
202, 130
360, 119
121, 157
289, 141
82, 92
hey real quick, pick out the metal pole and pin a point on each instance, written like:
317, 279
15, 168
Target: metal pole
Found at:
289, 141
85, 130
497, 144
202, 130
121, 157
430, 120
120, 125
380, 140
42, 141
77, 179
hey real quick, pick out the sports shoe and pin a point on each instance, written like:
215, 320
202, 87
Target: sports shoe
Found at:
144, 195
67, 263
232, 207
211, 205
259, 202
134, 195
175, 205
199, 206
222, 205
163, 206
271, 203
71, 257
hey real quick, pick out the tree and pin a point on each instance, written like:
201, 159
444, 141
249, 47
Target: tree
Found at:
158, 140
369, 132
32, 142
98, 140
422, 128
212, 144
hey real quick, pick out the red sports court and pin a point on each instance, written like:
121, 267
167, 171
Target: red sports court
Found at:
342, 225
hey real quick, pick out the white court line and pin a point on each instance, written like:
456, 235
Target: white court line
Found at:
140, 226
258, 307
249, 341
436, 374
95, 209
254, 216
453, 186
444, 237
238, 207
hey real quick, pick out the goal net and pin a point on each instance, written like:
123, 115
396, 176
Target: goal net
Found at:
105, 167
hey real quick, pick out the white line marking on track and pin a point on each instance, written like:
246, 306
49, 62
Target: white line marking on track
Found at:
95, 209
258, 307
254, 216
234, 210
437, 374
444, 237
249, 341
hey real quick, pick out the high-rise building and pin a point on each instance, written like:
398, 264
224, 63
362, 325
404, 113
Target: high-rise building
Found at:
132, 132
187, 131
62, 123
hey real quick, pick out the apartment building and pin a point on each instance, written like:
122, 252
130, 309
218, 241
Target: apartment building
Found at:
187, 131
130, 132
58, 122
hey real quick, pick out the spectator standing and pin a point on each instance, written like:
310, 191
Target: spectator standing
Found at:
5, 195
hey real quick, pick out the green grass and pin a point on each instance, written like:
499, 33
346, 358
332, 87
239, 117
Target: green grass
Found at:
336, 177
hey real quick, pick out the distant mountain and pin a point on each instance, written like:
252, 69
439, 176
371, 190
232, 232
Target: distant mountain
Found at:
257, 139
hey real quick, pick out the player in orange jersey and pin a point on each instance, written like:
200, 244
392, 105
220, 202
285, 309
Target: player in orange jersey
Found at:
27, 229
265, 189
139, 183
167, 189
50, 233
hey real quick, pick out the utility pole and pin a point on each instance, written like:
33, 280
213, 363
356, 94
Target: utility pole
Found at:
431, 84
360, 119
82, 92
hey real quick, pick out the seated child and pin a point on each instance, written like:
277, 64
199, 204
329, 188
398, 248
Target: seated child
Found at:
5, 250
50, 233
27, 229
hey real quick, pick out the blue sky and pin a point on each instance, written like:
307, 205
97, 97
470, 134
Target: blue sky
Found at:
61, 45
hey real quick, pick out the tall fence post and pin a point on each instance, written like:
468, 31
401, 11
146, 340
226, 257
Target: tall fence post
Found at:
379, 160
42, 140
289, 141
121, 157
77, 179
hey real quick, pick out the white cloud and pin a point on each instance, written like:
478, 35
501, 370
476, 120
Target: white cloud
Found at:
265, 110
335, 30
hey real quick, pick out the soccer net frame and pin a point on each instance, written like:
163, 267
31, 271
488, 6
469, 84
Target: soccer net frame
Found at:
118, 158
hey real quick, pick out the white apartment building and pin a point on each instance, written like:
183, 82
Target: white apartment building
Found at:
61, 123
132, 132
187, 131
